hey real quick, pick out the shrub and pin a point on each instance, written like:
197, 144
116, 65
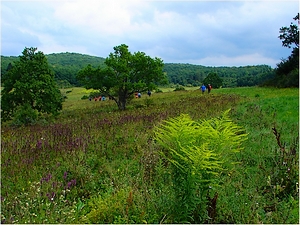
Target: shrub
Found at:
94, 94
25, 115
148, 102
119, 207
84, 97
179, 88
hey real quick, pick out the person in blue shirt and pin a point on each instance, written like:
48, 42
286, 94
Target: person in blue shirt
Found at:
203, 88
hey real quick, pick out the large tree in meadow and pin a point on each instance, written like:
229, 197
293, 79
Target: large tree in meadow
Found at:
124, 74
214, 80
287, 71
29, 88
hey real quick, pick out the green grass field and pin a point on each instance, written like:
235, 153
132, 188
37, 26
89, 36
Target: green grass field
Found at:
96, 164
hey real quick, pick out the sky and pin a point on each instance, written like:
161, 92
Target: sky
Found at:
209, 33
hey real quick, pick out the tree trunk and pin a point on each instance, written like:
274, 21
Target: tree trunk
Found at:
122, 104
122, 99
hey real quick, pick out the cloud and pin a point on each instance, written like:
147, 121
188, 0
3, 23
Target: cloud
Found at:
106, 17
176, 31
241, 60
15, 40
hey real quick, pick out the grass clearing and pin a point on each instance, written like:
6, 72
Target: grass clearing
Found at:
95, 164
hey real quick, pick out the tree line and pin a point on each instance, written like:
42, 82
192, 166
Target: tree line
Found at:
67, 65
188, 74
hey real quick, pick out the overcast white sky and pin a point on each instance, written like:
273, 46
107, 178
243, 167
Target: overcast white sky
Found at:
209, 33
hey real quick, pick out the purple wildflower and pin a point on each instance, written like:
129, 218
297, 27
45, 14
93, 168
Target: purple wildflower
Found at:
65, 175
47, 178
54, 184
50, 196
39, 144
73, 182
70, 184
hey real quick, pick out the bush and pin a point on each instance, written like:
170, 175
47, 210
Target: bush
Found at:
117, 208
25, 115
84, 97
94, 94
179, 88
148, 102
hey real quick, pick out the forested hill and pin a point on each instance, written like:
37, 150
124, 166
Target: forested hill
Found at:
66, 66
188, 74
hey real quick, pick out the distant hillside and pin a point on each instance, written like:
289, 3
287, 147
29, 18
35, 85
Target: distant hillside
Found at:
188, 74
66, 66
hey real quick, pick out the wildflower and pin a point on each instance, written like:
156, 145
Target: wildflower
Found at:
50, 196
48, 177
65, 175
69, 185
39, 144
54, 184
73, 182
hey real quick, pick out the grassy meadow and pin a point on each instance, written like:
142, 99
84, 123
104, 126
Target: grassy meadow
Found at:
95, 164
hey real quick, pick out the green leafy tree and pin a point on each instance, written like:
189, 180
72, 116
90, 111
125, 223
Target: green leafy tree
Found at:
214, 80
29, 86
125, 73
290, 35
287, 71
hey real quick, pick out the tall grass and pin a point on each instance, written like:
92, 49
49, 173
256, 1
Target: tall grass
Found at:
95, 164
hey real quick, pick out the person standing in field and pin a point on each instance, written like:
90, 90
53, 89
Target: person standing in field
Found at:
203, 88
209, 87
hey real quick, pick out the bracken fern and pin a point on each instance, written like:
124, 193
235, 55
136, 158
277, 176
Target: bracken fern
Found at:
198, 152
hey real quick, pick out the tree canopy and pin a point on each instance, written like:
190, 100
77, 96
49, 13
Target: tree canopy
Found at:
290, 35
213, 79
287, 71
124, 74
29, 86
